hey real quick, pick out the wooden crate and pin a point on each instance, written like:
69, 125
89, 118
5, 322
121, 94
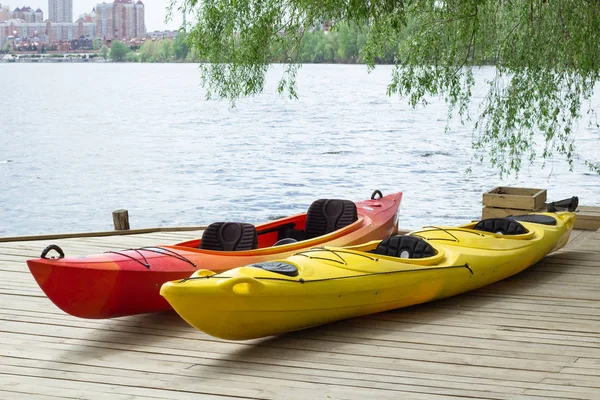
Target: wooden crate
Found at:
515, 198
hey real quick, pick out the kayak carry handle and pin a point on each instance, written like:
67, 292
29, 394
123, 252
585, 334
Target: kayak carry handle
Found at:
376, 192
202, 273
563, 205
54, 247
231, 283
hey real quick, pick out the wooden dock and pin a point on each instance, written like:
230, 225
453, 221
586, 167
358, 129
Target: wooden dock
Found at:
533, 336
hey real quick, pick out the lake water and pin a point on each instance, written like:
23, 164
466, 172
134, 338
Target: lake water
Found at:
78, 141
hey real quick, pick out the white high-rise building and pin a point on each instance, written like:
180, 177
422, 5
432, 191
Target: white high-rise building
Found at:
60, 10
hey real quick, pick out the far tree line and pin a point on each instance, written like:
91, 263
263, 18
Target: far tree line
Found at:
166, 50
342, 45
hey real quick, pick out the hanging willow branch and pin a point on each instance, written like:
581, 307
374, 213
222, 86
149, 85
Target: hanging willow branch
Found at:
546, 53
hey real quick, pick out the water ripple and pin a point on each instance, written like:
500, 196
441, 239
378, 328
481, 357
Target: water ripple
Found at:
143, 137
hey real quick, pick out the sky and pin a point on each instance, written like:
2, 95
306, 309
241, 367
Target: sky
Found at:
155, 11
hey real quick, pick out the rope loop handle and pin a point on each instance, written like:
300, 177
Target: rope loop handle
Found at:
54, 247
377, 192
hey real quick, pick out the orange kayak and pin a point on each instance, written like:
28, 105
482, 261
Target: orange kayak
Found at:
127, 282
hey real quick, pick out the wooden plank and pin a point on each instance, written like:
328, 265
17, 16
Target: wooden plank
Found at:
291, 376
587, 223
540, 337
229, 383
556, 392
592, 211
310, 353
364, 350
572, 380
474, 318
363, 371
499, 339
588, 218
103, 233
31, 393
577, 236
28, 383
580, 371
586, 362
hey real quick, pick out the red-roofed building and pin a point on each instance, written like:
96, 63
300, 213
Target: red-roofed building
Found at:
27, 14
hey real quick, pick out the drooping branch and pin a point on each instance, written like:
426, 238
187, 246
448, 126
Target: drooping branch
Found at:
545, 53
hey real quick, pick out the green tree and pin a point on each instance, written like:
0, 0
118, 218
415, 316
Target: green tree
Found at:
180, 46
308, 47
104, 52
118, 51
545, 52
166, 50
148, 51
96, 44
132, 56
192, 55
348, 39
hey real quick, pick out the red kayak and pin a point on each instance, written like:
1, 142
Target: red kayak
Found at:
127, 282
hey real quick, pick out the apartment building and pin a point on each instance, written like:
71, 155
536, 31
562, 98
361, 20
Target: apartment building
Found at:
60, 10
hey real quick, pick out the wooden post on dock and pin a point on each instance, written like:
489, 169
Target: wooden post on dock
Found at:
121, 220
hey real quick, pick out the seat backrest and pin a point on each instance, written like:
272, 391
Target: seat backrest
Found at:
328, 215
503, 226
404, 246
229, 236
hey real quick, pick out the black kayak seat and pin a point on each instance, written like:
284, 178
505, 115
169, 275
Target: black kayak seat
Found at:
536, 218
229, 236
327, 215
404, 246
503, 226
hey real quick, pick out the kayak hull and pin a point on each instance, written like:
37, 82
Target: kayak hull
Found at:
334, 284
128, 282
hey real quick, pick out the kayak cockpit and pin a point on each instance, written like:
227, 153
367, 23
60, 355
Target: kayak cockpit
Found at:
324, 217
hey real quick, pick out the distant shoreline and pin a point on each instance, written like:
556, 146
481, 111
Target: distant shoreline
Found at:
94, 57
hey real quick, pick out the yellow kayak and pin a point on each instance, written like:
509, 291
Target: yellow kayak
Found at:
327, 284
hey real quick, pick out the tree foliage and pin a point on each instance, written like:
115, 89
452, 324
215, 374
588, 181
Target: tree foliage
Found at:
180, 46
132, 56
148, 51
343, 44
165, 50
5, 49
118, 51
546, 55
97, 44
103, 52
